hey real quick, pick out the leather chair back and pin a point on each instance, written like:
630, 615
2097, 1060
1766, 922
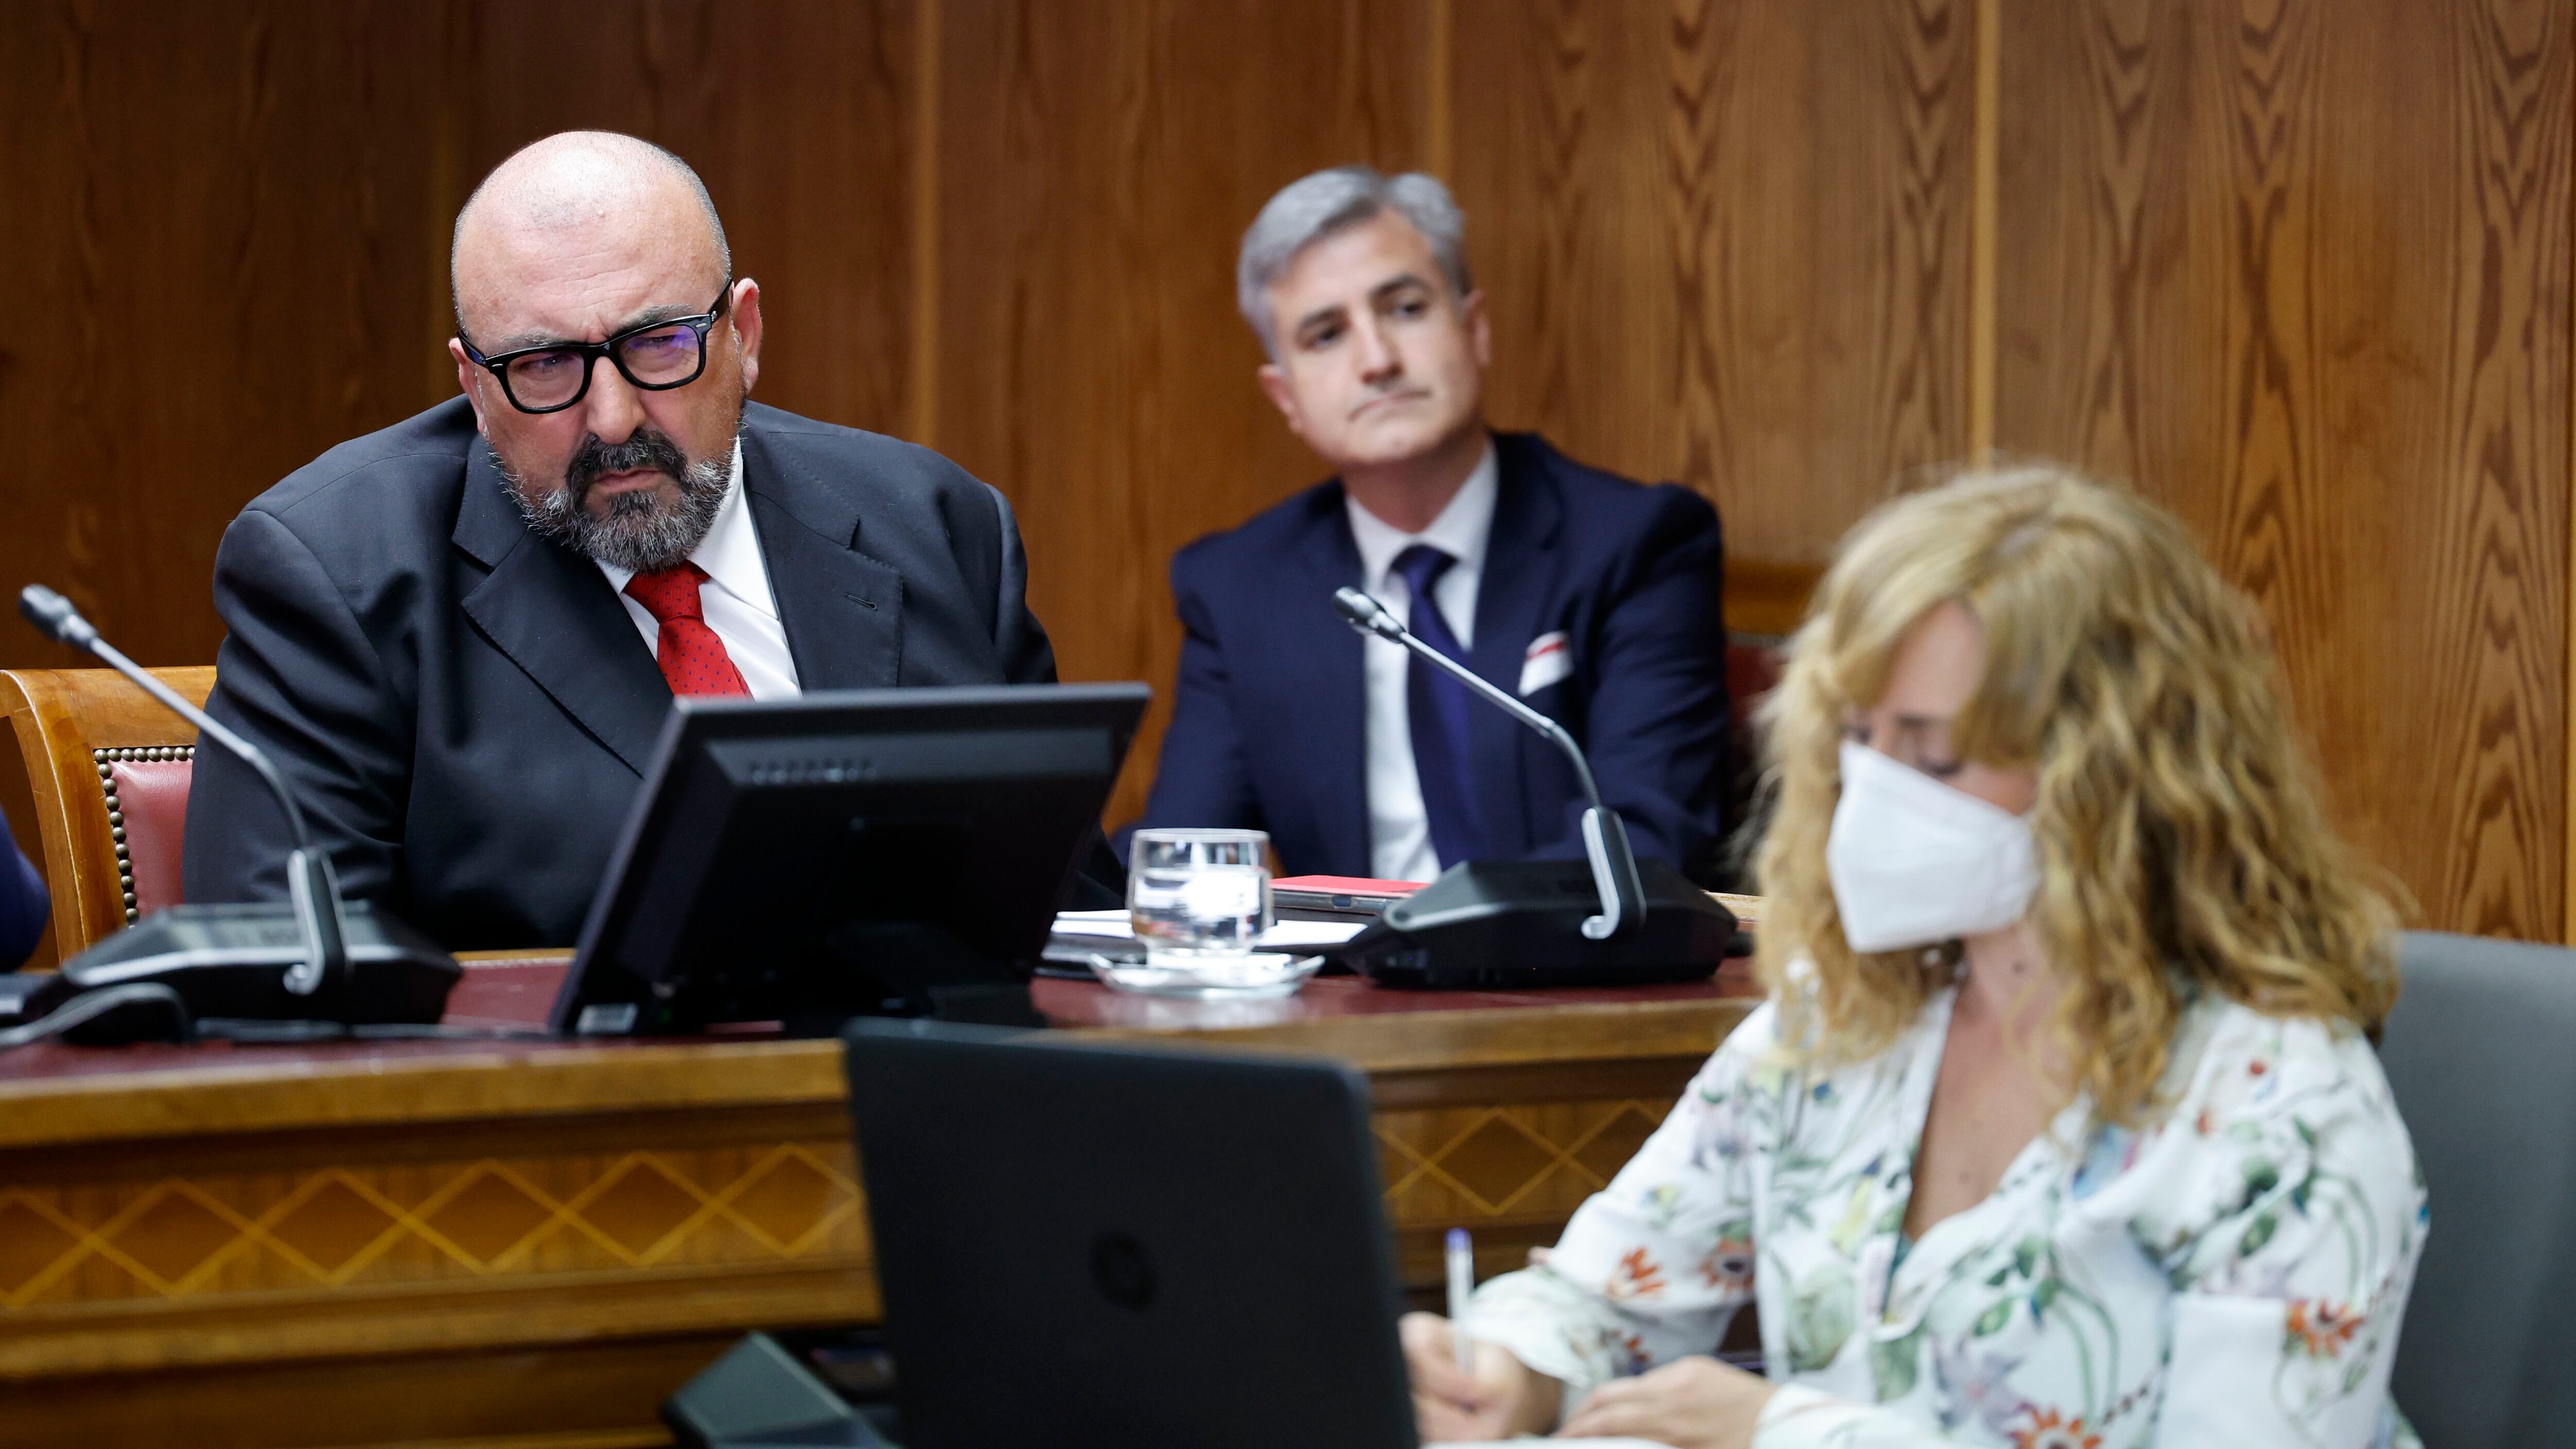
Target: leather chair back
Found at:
2477, 1053
1752, 671
109, 769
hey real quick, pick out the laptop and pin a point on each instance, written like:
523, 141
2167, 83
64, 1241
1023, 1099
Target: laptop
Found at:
1092, 1244
1107, 1244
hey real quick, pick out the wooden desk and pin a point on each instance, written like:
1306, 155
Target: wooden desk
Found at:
530, 1243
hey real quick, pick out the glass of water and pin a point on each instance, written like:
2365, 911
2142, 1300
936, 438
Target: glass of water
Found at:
1193, 893
1199, 901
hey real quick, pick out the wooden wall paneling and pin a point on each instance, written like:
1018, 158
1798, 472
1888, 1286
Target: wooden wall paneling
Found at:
1098, 164
921, 201
1982, 257
243, 213
2301, 268
1727, 242
2301, 271
214, 275
219, 266
798, 117
2499, 548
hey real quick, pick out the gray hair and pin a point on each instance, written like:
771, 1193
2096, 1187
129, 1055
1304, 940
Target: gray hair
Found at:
1314, 207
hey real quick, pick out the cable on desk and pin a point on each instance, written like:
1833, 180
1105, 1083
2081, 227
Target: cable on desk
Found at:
90, 1006
160, 1014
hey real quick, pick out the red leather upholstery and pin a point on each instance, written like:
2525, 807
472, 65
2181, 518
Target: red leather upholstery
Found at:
1752, 670
152, 796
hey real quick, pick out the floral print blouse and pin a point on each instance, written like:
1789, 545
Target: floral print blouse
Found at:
2231, 1275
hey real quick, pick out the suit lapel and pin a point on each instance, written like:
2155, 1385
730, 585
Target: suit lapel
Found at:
1334, 722
1519, 578
552, 613
843, 610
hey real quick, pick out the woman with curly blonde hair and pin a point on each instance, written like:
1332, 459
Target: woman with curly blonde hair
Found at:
2059, 1128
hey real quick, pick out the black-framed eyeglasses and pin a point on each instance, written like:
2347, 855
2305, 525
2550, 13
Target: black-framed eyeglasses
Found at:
655, 357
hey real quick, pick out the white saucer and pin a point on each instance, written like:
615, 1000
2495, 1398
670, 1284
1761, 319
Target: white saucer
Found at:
1249, 977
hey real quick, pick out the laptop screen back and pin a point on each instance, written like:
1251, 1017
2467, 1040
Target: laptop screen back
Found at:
1103, 1245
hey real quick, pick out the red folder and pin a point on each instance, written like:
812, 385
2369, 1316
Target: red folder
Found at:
1347, 885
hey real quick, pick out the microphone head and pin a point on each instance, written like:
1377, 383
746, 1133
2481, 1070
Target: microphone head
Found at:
1366, 614
54, 614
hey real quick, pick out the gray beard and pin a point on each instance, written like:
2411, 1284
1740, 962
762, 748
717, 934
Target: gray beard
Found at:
641, 534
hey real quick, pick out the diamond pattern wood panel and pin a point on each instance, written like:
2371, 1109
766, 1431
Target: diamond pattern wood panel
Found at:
360, 1226
1523, 1164
371, 1225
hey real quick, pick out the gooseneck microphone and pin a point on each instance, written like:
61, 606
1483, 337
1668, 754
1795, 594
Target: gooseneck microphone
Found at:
310, 884
1605, 836
305, 969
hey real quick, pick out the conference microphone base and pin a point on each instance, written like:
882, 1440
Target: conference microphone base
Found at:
1502, 925
233, 960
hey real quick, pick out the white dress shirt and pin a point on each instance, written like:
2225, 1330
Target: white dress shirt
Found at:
1399, 831
735, 599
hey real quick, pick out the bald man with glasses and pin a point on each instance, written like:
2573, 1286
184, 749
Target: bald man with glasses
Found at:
459, 637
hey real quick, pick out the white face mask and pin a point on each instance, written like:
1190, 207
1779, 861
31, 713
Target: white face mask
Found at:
1915, 862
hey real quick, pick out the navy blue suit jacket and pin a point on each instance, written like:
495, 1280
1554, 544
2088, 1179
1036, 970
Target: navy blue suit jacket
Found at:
24, 906
1269, 727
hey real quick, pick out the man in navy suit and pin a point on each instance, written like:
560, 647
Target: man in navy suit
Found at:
1593, 598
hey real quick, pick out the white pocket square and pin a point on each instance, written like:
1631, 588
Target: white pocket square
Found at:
1549, 659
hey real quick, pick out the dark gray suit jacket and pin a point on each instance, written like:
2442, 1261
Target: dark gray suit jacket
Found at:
465, 709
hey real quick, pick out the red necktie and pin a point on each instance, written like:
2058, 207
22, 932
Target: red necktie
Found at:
693, 659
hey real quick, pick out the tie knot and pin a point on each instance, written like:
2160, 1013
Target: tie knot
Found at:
668, 594
1421, 567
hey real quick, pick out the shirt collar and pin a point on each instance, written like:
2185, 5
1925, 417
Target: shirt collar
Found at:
1460, 531
730, 553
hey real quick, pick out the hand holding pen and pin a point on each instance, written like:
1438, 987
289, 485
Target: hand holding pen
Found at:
1463, 1389
1462, 1286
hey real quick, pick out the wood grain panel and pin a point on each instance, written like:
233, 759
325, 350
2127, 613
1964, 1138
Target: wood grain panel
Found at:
520, 1233
241, 242
2300, 266
216, 221
1727, 242
1098, 164
2300, 270
799, 118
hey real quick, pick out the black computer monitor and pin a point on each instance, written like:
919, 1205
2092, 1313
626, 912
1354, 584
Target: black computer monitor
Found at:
876, 851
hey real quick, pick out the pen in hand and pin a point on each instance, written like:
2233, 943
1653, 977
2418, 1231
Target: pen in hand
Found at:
1462, 1282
